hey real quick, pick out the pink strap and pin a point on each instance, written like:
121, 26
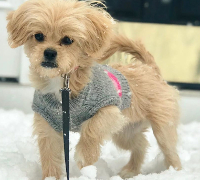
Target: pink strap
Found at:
115, 82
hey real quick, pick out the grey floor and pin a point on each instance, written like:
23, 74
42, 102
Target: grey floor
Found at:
15, 96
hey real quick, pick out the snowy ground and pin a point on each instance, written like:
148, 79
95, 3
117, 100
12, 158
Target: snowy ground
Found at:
19, 157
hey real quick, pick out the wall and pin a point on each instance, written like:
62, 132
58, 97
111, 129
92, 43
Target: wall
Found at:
176, 49
10, 59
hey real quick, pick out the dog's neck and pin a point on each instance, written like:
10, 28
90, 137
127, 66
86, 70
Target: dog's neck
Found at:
78, 80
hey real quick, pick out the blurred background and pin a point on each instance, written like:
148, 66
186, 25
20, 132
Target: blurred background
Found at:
170, 30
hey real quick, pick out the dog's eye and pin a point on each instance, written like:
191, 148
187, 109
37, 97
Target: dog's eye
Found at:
66, 41
39, 37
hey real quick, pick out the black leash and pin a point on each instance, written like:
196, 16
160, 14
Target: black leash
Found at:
66, 119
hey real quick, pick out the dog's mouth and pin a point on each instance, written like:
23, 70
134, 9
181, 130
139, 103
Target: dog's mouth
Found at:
46, 64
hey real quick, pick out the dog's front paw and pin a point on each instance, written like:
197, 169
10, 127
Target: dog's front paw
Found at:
128, 172
87, 153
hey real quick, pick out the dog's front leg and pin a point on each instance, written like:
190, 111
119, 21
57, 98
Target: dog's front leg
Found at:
100, 127
50, 145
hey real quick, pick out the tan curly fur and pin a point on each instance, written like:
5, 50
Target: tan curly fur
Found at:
153, 101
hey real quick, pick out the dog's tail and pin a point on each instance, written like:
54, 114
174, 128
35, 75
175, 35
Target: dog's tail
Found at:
136, 48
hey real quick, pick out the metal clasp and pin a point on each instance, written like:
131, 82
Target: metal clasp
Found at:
66, 78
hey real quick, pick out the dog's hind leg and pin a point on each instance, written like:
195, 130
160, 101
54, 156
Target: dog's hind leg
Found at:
50, 145
164, 117
166, 135
132, 138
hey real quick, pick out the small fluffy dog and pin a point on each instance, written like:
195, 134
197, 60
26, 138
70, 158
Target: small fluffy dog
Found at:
70, 36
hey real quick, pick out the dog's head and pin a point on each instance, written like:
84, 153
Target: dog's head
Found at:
60, 34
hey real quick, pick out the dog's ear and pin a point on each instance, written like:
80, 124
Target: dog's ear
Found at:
17, 27
99, 25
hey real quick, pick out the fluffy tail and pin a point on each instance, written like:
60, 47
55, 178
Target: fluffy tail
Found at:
123, 44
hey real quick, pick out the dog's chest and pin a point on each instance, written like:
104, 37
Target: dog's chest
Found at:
53, 86
107, 87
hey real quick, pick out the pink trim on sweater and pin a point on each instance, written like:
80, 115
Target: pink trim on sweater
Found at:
115, 82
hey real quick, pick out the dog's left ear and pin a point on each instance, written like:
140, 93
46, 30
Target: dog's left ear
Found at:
99, 25
18, 25
17, 29
10, 28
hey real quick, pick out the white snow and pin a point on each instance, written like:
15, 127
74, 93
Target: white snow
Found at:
19, 156
89, 171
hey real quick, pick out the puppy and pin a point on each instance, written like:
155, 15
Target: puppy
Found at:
70, 36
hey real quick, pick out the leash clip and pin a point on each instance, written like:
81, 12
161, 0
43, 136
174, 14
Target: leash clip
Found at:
66, 78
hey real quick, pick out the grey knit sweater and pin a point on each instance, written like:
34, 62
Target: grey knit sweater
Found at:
106, 87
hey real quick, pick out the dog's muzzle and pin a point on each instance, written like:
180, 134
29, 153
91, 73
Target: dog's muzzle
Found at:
49, 59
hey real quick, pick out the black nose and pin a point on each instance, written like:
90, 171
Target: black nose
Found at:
50, 54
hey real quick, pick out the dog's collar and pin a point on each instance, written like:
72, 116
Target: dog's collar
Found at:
71, 71
76, 68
